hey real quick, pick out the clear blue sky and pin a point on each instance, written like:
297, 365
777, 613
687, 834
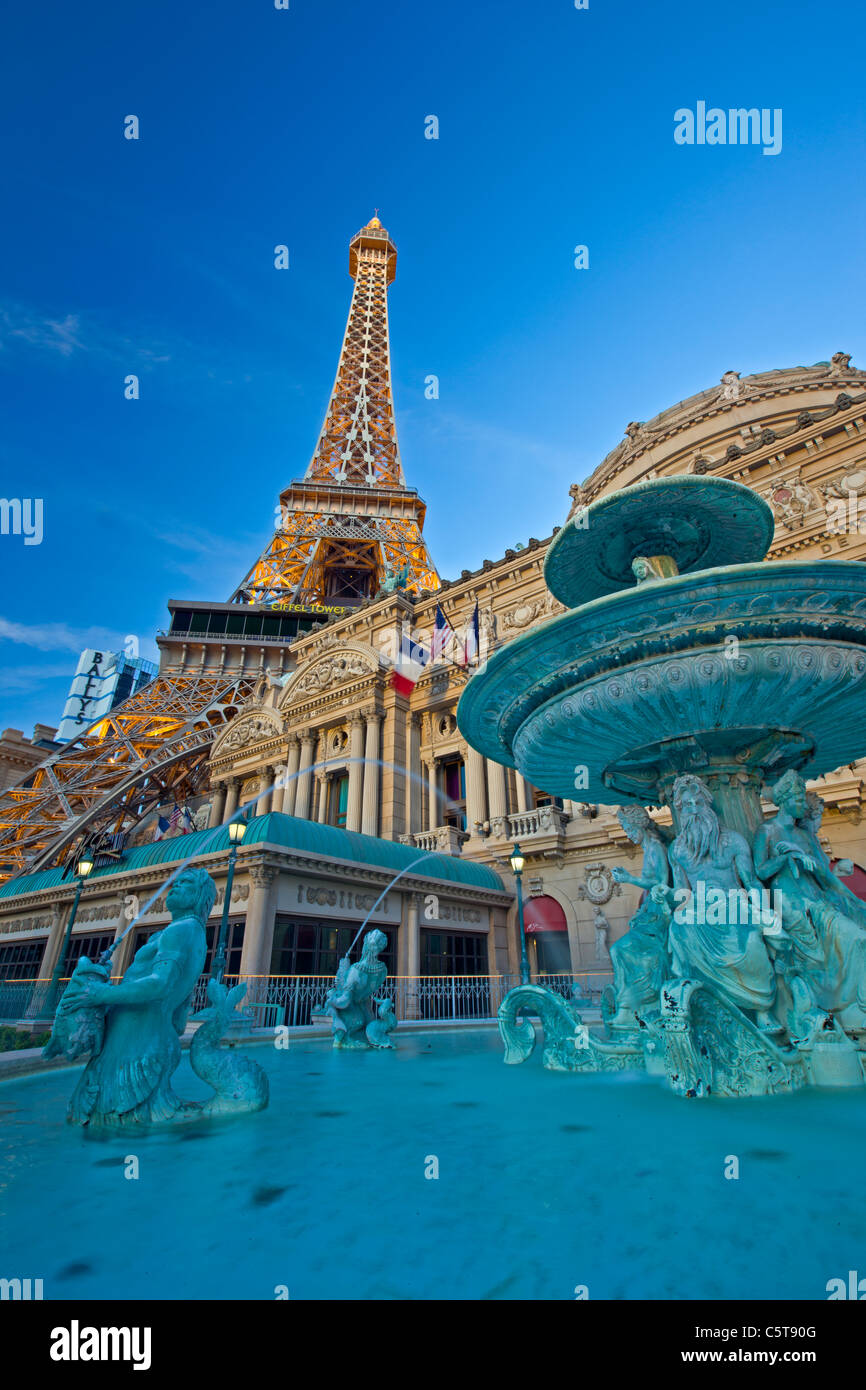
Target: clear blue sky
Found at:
261, 126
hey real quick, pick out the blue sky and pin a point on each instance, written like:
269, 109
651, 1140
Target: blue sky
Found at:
261, 127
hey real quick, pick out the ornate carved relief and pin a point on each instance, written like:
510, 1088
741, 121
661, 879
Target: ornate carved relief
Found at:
529, 612
599, 886
791, 500
332, 670
247, 729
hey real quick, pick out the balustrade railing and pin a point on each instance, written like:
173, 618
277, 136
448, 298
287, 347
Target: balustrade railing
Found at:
297, 1000
543, 820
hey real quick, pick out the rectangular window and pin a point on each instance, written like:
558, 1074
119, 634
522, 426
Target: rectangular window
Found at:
452, 784
453, 953
90, 946
306, 946
338, 800
543, 799
22, 961
234, 944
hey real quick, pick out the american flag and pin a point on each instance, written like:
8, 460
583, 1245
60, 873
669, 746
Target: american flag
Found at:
175, 817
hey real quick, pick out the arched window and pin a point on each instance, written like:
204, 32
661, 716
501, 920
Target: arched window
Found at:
546, 925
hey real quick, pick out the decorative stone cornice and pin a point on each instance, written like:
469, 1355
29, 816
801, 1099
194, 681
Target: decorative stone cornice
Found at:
721, 400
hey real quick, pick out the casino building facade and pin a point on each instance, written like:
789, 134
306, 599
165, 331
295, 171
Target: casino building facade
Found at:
356, 777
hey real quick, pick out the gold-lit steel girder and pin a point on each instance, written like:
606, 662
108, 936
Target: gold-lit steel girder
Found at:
155, 743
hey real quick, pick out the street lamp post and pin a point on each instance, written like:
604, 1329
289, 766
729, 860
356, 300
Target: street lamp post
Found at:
237, 831
82, 872
516, 860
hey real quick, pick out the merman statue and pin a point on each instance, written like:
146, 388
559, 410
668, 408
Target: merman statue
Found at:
133, 1029
360, 1019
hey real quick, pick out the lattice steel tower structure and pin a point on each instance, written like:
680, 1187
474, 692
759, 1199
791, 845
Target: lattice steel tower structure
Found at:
345, 527
352, 521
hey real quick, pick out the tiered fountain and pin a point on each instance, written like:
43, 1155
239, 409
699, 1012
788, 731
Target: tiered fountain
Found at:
689, 674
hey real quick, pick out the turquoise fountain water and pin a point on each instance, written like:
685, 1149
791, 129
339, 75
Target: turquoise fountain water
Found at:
691, 674
547, 1183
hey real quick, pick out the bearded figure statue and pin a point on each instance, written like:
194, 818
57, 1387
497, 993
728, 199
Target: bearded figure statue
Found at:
712, 937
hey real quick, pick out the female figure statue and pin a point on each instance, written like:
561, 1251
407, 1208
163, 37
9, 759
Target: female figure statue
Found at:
823, 918
640, 958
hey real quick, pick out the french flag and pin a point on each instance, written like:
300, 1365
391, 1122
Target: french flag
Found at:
410, 663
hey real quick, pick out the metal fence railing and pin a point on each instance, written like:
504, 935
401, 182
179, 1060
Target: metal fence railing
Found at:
297, 1000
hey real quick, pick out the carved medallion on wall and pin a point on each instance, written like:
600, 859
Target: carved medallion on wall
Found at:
599, 886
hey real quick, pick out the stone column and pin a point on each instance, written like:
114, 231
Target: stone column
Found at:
370, 808
496, 797
288, 803
232, 798
258, 930
413, 954
414, 789
217, 806
392, 816
324, 782
356, 773
264, 805
59, 917
476, 803
433, 813
122, 958
302, 796
523, 793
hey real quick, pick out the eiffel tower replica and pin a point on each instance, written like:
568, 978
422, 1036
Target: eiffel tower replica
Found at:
348, 528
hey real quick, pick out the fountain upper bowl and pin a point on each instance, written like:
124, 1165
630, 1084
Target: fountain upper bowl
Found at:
731, 653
